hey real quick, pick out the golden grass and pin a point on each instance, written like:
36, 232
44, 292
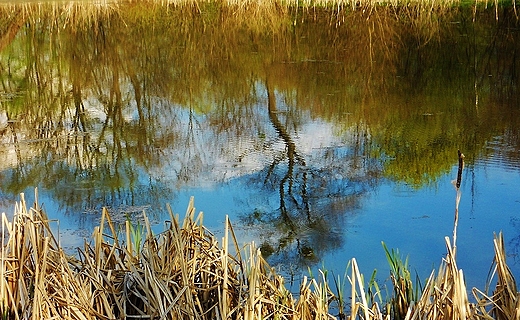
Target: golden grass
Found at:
184, 273
181, 273
87, 10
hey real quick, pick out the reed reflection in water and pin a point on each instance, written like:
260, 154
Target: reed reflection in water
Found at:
321, 134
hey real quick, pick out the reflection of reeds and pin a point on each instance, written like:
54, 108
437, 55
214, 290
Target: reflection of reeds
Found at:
183, 272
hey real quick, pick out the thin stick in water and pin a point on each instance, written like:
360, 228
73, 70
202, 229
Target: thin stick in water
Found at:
457, 199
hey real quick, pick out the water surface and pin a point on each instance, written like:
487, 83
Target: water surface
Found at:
319, 133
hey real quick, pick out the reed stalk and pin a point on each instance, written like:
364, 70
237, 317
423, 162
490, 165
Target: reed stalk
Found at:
504, 301
457, 183
78, 14
183, 273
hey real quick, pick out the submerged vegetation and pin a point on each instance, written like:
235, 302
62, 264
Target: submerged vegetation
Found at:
183, 272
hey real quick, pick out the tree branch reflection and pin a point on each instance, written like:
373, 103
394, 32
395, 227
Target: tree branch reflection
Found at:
314, 200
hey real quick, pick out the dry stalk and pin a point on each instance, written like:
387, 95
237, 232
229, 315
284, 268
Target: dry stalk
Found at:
504, 302
183, 273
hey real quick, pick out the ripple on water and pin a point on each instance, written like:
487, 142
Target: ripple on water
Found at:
500, 153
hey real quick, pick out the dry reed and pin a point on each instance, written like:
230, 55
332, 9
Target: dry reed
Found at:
181, 273
184, 273
80, 13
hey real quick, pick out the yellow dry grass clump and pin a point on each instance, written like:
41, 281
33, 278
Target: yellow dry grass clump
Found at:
184, 273
181, 273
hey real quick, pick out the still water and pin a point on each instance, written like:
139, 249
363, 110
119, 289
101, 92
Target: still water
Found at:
321, 134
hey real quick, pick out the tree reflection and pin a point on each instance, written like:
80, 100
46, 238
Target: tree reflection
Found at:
314, 198
82, 144
102, 109
293, 159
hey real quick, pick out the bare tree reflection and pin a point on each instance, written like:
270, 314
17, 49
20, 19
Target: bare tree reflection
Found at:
293, 159
79, 144
314, 199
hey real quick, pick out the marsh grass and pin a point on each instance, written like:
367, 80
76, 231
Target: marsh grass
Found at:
258, 13
405, 293
183, 272
180, 273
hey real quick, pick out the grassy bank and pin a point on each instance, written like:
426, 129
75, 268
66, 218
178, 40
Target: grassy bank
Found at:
84, 8
128, 272
353, 3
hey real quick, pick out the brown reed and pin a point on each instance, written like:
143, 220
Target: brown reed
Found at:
184, 273
181, 273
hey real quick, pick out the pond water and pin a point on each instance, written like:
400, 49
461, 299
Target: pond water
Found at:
320, 133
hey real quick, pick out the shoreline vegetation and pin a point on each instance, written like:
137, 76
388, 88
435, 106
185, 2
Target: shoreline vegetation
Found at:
288, 3
81, 11
127, 272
